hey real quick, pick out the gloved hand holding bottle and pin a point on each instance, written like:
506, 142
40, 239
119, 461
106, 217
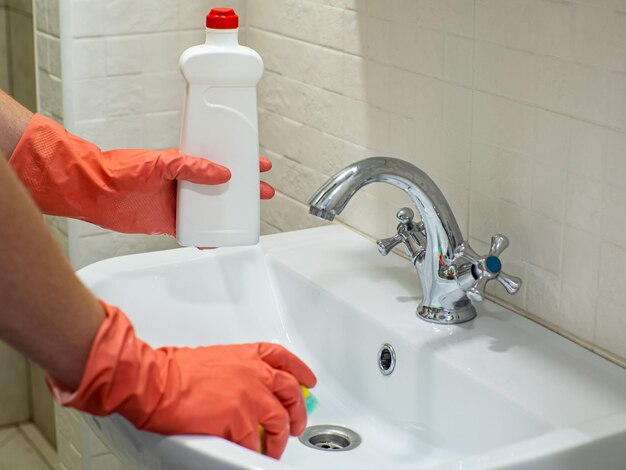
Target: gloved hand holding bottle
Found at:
129, 190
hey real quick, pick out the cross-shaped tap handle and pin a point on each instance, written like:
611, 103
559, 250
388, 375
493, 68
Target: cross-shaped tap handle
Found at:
489, 267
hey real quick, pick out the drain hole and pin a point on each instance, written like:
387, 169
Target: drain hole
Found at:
386, 359
329, 437
329, 441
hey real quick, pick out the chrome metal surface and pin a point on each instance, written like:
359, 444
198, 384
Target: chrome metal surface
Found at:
386, 359
330, 437
489, 267
448, 268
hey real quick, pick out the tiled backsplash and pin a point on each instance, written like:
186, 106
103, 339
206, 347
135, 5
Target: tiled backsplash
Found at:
516, 108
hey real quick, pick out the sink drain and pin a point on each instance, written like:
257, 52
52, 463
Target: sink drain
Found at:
330, 438
386, 359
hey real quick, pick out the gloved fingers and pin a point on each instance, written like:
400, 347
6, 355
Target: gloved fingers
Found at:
264, 164
275, 420
174, 166
280, 358
288, 391
252, 439
267, 191
275, 443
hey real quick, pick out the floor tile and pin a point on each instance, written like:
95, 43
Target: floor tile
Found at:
17, 454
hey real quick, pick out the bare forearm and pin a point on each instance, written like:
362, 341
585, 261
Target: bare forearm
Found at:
45, 311
14, 119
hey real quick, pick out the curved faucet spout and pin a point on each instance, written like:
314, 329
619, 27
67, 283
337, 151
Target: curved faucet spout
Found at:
448, 268
439, 221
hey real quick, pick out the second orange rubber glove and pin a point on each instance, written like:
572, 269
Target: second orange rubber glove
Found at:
225, 391
129, 190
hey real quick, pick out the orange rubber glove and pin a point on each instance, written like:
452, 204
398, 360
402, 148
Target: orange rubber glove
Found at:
224, 391
130, 190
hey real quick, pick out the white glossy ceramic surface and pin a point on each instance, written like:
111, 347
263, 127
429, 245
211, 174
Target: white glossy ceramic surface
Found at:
499, 392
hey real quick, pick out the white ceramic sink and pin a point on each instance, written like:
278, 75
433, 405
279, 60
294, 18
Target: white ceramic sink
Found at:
499, 392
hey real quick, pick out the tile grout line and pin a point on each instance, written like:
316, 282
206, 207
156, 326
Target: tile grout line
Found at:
38, 443
8, 437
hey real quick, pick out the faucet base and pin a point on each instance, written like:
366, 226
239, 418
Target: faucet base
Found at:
442, 316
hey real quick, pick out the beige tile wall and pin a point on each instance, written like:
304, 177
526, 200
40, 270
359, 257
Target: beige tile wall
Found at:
4, 49
516, 108
21, 40
17, 77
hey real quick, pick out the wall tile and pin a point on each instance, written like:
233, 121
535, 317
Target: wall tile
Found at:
617, 35
378, 40
54, 52
578, 310
354, 33
162, 130
115, 132
504, 71
613, 224
501, 174
355, 77
23, 6
98, 247
568, 87
551, 138
552, 28
459, 64
23, 87
159, 92
591, 34
615, 161
580, 261
612, 282
54, 22
583, 203
430, 46
545, 243
610, 324
282, 135
453, 16
617, 100
13, 386
549, 187
503, 122
543, 295
89, 59
588, 150
403, 46
124, 54
4, 57
516, 224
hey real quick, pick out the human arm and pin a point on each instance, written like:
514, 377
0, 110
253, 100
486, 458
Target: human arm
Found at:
46, 312
14, 119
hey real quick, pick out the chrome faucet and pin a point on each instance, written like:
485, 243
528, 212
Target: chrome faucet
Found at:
450, 271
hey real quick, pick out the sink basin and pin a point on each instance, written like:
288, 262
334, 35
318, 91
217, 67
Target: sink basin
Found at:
500, 392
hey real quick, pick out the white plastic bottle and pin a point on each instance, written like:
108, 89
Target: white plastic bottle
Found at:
220, 124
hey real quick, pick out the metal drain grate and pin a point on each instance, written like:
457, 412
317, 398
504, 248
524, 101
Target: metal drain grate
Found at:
331, 438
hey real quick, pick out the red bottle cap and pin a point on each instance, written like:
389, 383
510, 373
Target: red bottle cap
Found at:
222, 18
